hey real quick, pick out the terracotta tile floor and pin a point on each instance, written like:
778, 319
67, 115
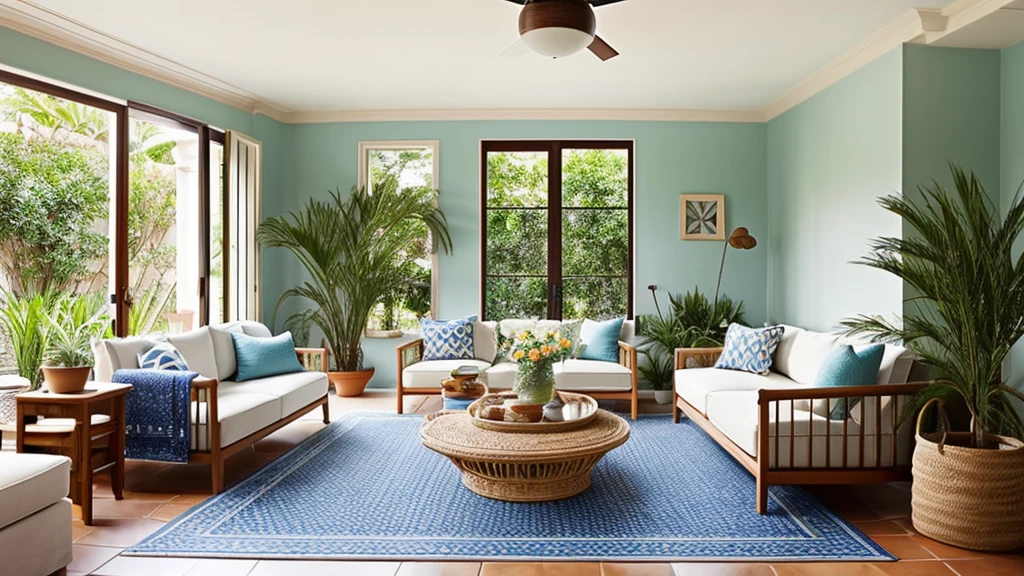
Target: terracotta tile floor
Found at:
156, 493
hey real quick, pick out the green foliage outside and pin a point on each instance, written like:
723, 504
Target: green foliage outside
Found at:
968, 306
595, 239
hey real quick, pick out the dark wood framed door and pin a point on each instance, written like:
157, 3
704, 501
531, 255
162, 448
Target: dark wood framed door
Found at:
557, 228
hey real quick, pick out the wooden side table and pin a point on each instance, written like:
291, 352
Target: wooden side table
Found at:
92, 446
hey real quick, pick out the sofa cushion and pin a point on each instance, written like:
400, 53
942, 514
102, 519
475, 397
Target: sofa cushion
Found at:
430, 373
784, 351
264, 357
448, 339
501, 376
484, 341
30, 483
694, 384
240, 415
601, 340
806, 353
224, 349
592, 375
117, 354
845, 366
296, 390
749, 349
163, 356
196, 348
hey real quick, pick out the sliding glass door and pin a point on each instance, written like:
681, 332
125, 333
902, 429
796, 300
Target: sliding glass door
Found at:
557, 229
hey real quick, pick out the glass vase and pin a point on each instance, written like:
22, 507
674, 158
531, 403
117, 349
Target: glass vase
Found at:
535, 383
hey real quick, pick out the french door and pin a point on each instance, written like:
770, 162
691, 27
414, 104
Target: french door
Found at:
557, 219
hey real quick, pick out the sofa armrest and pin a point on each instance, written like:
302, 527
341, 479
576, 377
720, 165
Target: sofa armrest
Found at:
204, 395
308, 358
697, 357
834, 392
409, 354
627, 356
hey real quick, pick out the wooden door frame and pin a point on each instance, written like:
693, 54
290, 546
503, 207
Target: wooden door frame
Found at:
554, 149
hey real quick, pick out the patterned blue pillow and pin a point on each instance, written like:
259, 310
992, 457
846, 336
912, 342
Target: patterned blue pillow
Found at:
749, 349
163, 356
448, 340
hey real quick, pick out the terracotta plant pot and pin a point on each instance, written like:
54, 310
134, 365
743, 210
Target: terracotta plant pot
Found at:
349, 384
66, 380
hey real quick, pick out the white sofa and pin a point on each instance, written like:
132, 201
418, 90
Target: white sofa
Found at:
602, 380
35, 514
779, 425
240, 412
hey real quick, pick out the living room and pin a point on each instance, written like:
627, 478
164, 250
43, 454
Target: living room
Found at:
695, 184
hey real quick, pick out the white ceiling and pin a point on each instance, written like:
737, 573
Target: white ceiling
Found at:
323, 55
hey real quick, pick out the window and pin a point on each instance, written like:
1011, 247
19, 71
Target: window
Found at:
408, 164
242, 216
557, 229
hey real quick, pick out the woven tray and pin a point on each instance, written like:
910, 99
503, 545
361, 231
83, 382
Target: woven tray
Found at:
587, 405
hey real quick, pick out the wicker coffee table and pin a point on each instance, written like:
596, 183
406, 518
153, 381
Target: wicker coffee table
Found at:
523, 467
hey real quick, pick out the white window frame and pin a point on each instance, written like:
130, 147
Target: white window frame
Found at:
244, 211
398, 145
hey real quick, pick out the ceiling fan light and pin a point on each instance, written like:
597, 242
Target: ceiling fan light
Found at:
557, 42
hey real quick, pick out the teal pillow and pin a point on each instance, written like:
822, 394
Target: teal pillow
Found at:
263, 357
845, 366
601, 340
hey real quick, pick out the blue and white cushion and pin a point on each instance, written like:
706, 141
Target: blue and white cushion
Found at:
749, 349
448, 340
163, 356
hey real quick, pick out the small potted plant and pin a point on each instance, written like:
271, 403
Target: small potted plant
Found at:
69, 359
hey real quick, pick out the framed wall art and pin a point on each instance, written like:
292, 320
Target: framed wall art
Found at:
702, 217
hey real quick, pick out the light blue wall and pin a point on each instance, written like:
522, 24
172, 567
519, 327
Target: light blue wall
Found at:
1012, 162
671, 158
829, 159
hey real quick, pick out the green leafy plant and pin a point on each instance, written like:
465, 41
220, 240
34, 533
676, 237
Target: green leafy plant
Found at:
348, 247
967, 308
73, 322
300, 325
23, 319
695, 310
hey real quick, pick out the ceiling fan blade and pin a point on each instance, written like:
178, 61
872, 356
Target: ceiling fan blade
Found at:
602, 49
517, 49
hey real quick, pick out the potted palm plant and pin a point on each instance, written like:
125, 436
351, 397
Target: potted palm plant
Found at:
966, 312
348, 245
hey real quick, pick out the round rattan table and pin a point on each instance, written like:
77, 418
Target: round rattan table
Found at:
523, 467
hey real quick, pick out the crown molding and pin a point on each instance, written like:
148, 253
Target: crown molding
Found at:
54, 28
921, 26
755, 116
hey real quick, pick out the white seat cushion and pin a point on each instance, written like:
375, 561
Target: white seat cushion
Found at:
29, 483
429, 374
196, 348
501, 376
240, 414
592, 375
694, 384
296, 390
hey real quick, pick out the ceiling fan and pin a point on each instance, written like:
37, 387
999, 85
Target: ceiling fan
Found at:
560, 28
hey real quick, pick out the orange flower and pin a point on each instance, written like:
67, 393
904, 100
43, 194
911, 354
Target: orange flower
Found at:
534, 355
566, 343
518, 355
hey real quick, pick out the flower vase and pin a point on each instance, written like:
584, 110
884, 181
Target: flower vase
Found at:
535, 383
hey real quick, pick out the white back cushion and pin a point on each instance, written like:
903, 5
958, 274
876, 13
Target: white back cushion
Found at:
118, 353
196, 348
806, 353
784, 351
484, 340
224, 349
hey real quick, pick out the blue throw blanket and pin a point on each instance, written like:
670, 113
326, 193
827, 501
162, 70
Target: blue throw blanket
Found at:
156, 414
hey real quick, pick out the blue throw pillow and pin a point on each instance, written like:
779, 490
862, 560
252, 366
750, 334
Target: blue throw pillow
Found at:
448, 340
845, 366
749, 349
263, 357
601, 340
163, 356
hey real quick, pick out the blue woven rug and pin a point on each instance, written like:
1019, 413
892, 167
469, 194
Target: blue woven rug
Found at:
365, 487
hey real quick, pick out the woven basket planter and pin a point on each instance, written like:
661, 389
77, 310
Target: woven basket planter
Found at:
968, 497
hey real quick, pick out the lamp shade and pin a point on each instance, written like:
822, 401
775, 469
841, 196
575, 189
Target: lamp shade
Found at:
557, 42
741, 239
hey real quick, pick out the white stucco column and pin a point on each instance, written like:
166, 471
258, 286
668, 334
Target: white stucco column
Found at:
186, 164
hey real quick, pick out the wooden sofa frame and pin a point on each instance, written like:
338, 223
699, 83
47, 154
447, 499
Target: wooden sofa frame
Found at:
205, 390
411, 352
768, 400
